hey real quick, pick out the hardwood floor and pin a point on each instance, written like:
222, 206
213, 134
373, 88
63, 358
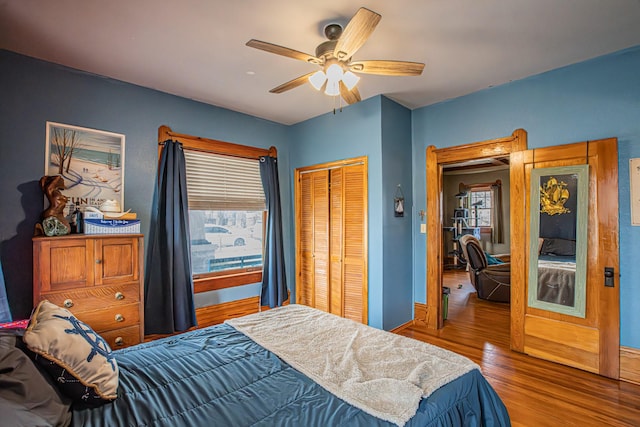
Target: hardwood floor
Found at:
536, 392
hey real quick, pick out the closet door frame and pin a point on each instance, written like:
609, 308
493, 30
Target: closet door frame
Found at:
298, 223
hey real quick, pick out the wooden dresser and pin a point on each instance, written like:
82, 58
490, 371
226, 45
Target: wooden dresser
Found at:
99, 278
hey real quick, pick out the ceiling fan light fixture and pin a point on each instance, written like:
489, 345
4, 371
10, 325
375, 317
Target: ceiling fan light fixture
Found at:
317, 79
334, 57
350, 80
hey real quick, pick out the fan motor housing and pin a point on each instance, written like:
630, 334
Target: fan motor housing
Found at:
326, 48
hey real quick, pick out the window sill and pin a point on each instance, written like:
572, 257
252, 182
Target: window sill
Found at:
230, 280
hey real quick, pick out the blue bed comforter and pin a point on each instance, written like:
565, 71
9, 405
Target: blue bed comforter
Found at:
219, 377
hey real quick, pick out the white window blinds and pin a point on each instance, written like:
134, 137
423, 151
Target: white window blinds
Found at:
218, 182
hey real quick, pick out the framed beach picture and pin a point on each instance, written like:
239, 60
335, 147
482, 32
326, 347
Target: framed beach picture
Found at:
90, 161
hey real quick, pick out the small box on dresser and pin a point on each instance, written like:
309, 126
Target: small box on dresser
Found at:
96, 277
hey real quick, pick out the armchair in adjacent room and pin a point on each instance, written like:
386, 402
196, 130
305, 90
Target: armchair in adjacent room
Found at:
492, 282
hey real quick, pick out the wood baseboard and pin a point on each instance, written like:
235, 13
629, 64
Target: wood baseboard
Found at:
630, 365
420, 313
397, 329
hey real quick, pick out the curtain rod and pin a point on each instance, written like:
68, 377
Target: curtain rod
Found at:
216, 146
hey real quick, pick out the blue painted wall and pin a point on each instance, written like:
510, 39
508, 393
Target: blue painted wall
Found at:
34, 92
595, 99
354, 132
397, 293
381, 130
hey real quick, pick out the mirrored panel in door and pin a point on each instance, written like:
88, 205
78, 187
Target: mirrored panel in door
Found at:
558, 246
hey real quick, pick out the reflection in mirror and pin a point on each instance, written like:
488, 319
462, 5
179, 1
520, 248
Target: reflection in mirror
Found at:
557, 250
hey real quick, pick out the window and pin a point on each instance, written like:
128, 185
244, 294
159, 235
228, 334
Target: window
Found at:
226, 214
224, 240
481, 204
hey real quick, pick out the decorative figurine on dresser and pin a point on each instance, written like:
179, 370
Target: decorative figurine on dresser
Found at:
53, 222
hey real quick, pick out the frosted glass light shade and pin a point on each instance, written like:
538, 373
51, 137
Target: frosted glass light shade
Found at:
350, 80
333, 87
334, 72
317, 79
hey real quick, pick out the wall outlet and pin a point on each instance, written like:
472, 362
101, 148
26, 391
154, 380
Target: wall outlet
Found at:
423, 228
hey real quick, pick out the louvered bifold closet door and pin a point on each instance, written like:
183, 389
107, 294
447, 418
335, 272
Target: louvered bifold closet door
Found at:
354, 257
313, 287
304, 284
331, 238
321, 239
335, 246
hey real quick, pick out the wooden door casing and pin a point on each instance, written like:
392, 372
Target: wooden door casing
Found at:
331, 238
435, 159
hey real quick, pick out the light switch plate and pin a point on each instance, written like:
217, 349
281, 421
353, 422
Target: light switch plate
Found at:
423, 228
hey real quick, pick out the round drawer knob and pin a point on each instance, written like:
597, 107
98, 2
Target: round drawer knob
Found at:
119, 295
119, 318
98, 261
119, 341
68, 303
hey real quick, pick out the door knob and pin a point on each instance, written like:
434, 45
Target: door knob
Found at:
608, 277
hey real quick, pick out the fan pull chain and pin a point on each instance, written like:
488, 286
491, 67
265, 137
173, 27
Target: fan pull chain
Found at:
338, 103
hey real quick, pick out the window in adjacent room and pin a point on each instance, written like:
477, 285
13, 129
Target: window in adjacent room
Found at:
480, 206
226, 218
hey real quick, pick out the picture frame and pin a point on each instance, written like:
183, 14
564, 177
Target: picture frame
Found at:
91, 162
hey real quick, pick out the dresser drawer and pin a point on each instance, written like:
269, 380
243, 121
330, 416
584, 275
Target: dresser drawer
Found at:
94, 298
120, 338
111, 318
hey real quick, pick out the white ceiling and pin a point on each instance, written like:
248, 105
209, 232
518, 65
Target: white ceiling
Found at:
196, 48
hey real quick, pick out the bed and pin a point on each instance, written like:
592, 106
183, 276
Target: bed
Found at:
556, 280
557, 271
246, 372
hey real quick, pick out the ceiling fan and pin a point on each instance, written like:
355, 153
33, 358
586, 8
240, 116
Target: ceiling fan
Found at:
334, 57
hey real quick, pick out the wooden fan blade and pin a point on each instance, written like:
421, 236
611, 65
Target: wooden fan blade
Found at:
299, 81
356, 33
350, 96
387, 68
284, 51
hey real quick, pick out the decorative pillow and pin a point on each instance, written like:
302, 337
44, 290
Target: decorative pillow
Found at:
77, 358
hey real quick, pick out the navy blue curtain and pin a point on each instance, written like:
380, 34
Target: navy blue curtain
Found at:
274, 282
168, 287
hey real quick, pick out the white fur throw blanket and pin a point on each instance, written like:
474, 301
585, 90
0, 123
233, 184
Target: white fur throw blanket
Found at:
381, 373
